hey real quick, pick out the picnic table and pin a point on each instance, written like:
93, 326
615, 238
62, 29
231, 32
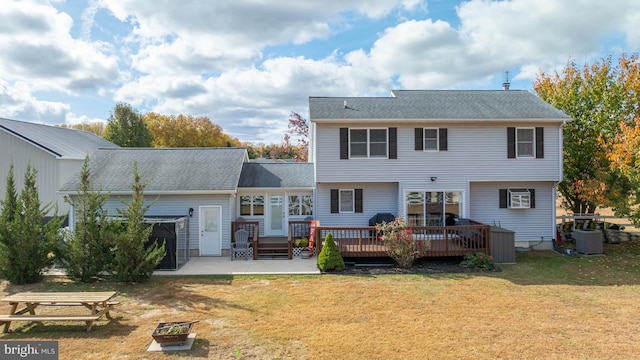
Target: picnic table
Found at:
99, 303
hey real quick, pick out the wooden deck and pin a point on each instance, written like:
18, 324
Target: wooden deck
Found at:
434, 241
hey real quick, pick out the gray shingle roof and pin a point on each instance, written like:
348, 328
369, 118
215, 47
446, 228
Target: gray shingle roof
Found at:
61, 142
277, 175
183, 170
437, 105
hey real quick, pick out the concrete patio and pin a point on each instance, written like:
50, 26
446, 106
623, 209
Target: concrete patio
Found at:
224, 266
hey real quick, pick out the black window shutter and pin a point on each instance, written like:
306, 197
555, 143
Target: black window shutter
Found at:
539, 143
532, 198
334, 201
503, 198
419, 139
358, 200
393, 143
511, 142
443, 139
344, 143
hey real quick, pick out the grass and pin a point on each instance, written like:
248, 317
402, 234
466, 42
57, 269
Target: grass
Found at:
547, 306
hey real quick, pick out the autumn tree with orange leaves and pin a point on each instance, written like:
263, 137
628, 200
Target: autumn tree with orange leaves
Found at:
171, 131
602, 99
624, 154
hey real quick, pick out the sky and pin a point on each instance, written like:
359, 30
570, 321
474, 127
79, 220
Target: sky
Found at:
247, 64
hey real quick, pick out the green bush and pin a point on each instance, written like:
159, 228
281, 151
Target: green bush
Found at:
480, 261
330, 258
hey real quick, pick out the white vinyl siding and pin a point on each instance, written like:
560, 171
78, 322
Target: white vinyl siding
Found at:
475, 153
533, 225
178, 205
376, 198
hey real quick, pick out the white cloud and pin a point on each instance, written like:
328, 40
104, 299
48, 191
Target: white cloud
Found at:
37, 48
18, 103
527, 36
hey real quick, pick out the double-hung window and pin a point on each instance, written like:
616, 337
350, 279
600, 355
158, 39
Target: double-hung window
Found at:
431, 140
368, 143
346, 201
525, 142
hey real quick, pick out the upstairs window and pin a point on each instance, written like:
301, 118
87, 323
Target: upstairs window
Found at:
525, 142
431, 139
368, 143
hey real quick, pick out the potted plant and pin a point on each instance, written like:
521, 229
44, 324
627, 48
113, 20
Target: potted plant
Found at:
303, 245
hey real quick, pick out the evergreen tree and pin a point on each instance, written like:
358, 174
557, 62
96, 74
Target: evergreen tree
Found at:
133, 262
87, 252
330, 258
27, 243
8, 211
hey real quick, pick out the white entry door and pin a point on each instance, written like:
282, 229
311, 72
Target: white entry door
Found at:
276, 220
210, 231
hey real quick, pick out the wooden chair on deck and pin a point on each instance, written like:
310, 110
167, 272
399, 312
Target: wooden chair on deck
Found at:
241, 244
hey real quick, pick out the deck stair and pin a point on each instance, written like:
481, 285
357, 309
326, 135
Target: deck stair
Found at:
273, 248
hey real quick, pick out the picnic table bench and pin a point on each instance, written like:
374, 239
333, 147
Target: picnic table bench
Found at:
99, 303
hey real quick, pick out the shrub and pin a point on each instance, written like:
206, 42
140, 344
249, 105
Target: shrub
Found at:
330, 258
480, 261
302, 242
400, 245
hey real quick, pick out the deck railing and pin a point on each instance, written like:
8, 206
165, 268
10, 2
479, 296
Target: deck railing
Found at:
434, 241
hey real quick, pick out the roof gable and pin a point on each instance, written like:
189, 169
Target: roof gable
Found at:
437, 105
175, 170
61, 142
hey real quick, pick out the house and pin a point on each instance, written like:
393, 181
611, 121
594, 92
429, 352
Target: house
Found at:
56, 153
491, 156
212, 187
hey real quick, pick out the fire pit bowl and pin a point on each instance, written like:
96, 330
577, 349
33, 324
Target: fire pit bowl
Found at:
172, 333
